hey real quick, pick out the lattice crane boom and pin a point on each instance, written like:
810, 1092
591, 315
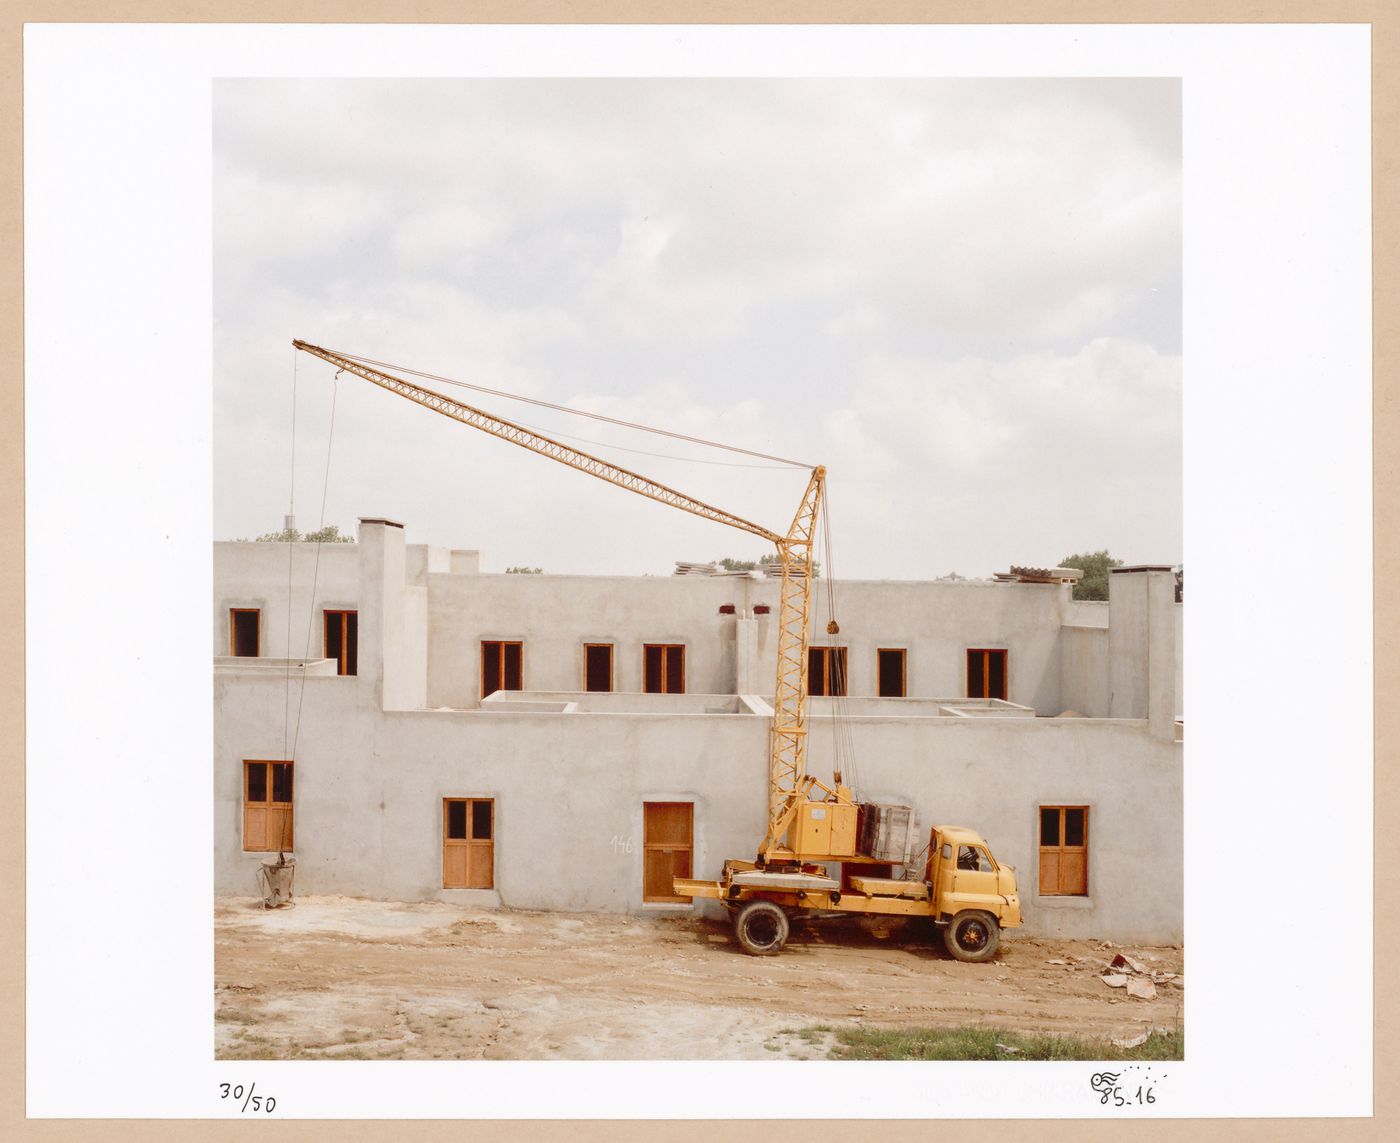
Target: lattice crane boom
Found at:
787, 779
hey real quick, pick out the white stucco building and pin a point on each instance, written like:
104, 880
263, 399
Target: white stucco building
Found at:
629, 737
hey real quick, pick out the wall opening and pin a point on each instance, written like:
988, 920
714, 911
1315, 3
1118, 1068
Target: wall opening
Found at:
663, 668
597, 667
893, 678
986, 674
501, 666
267, 807
468, 843
343, 641
243, 633
667, 848
1064, 851
826, 670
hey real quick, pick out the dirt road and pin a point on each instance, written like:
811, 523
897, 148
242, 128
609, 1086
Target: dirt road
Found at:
336, 978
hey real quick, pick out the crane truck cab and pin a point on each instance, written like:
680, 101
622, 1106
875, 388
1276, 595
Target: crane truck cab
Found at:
973, 896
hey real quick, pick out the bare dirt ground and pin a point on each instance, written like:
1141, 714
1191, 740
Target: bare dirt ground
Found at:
340, 978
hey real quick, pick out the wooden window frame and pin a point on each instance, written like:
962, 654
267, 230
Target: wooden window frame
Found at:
665, 649
649, 847
469, 841
612, 667
828, 653
987, 674
1060, 850
903, 653
256, 612
342, 655
501, 645
268, 804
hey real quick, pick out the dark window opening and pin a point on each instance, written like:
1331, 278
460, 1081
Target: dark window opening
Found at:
891, 670
1074, 827
243, 632
826, 670
343, 641
1049, 826
481, 820
457, 820
281, 781
500, 667
986, 674
257, 782
597, 667
663, 668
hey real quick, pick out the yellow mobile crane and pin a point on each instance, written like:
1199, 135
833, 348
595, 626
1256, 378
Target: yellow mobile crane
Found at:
810, 824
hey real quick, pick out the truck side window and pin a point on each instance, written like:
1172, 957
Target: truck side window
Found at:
974, 859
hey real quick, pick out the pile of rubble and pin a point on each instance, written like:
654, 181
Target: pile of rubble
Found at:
1136, 978
1128, 973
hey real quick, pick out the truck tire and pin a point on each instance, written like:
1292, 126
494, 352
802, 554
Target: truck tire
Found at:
761, 928
972, 936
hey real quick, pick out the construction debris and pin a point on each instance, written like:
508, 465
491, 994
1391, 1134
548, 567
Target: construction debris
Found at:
1039, 575
1134, 977
1122, 961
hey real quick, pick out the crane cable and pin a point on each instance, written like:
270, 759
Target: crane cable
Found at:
291, 515
566, 409
290, 758
842, 742
316, 566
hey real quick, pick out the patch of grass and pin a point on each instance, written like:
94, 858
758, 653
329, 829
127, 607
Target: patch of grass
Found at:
772, 1048
989, 1044
245, 1052
233, 1016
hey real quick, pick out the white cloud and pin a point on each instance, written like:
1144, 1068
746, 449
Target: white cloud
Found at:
786, 265
977, 464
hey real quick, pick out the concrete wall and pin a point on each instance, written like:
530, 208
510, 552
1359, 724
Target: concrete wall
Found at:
1143, 647
555, 616
257, 575
569, 772
1084, 675
569, 790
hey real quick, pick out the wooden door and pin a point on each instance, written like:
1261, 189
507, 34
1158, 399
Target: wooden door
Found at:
468, 843
1064, 851
667, 846
267, 807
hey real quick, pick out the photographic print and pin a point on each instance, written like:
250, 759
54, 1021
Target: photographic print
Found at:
698, 569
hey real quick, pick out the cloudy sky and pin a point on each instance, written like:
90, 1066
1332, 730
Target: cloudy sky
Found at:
961, 296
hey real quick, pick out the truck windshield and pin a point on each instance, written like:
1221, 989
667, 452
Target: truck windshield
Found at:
974, 859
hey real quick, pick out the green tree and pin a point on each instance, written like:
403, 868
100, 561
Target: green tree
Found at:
1095, 566
330, 534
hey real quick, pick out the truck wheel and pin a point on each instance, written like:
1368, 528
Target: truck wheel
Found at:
762, 928
972, 936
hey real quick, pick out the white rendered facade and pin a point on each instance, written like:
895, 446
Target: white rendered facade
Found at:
568, 774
